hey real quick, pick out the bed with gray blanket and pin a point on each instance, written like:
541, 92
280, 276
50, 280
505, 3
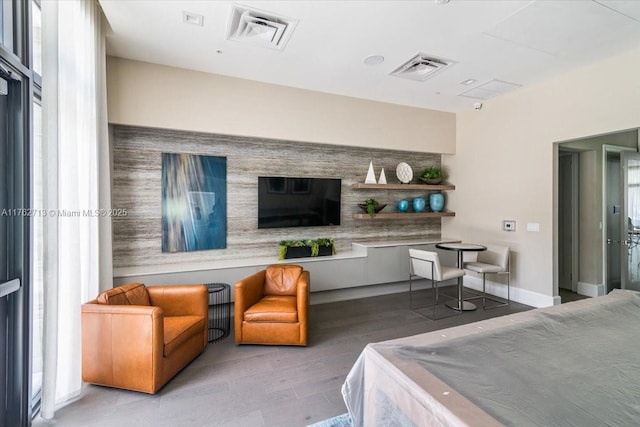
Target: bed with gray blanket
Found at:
576, 364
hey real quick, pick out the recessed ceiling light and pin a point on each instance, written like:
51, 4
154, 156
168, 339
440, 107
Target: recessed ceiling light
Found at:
443, 1
192, 18
374, 60
468, 82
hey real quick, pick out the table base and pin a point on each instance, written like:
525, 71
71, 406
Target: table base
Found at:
466, 305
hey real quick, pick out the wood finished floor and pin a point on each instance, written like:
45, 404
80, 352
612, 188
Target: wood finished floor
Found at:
568, 296
280, 386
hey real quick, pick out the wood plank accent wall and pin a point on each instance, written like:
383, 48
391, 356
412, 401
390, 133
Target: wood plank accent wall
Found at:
136, 187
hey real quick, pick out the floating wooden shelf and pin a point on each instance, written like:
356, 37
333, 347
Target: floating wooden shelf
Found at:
439, 187
401, 215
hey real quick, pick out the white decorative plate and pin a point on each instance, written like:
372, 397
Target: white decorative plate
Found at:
404, 173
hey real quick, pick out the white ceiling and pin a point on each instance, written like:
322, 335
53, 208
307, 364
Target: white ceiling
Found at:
519, 42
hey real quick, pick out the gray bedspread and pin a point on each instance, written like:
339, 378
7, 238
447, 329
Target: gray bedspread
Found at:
564, 368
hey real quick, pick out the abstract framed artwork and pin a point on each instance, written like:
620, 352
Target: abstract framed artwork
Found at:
194, 202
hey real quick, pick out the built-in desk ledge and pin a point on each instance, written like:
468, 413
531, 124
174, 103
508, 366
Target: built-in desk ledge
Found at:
358, 250
227, 263
402, 242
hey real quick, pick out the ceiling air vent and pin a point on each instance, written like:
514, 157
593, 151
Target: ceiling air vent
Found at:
259, 28
421, 67
490, 89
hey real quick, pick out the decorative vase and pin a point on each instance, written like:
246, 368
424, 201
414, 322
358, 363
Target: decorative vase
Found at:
419, 204
436, 202
403, 205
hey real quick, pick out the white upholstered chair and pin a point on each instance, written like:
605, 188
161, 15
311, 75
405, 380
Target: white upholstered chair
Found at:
495, 260
426, 264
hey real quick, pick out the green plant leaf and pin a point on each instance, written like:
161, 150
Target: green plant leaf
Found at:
371, 206
282, 251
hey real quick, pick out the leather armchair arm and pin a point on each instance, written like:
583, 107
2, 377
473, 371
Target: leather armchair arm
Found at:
248, 291
122, 345
302, 298
180, 300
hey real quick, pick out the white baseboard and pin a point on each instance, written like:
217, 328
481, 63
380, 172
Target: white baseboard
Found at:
591, 289
522, 296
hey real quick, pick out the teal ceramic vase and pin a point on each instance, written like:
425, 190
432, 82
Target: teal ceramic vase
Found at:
403, 205
419, 204
436, 202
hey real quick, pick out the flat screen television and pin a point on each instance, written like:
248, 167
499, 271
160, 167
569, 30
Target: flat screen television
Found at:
298, 202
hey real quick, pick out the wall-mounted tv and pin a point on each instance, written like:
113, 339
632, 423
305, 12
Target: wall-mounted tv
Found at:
298, 202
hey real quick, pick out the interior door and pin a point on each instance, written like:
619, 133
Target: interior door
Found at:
630, 220
567, 207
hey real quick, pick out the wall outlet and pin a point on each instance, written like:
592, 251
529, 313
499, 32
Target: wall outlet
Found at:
509, 225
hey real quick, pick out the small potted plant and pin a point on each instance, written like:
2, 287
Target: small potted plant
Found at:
371, 206
431, 175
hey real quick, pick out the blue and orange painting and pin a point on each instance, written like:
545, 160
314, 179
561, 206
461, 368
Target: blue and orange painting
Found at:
194, 202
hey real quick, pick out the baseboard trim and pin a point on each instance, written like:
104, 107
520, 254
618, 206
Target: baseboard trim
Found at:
522, 296
591, 289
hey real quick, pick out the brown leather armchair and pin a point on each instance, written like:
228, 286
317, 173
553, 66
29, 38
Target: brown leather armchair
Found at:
272, 306
137, 338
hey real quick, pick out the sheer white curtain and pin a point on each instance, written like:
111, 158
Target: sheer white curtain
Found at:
76, 171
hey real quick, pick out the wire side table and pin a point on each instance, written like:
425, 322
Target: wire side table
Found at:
219, 311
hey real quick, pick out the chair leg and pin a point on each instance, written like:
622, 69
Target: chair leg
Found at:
501, 301
410, 291
508, 288
434, 289
484, 291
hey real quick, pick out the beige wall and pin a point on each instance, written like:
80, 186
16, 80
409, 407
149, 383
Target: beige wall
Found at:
504, 165
152, 95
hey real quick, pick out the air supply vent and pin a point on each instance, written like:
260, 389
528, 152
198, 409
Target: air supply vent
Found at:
259, 28
421, 67
490, 89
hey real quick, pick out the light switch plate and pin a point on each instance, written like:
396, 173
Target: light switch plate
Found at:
509, 225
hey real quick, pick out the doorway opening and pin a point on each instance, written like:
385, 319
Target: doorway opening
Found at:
591, 223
